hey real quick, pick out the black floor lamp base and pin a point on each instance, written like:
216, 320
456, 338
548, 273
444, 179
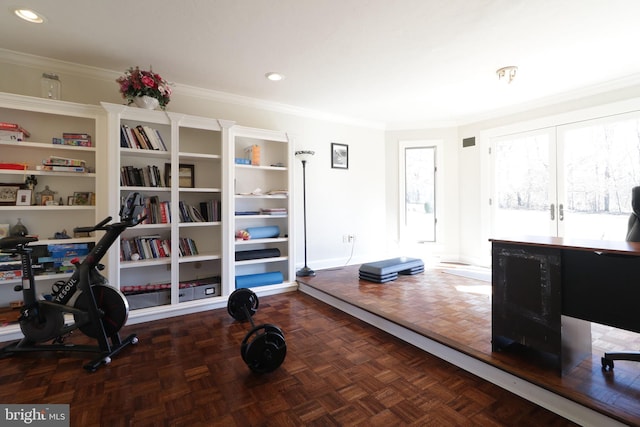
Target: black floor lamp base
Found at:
305, 272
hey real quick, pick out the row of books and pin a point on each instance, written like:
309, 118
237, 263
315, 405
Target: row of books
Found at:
153, 247
211, 210
189, 213
141, 137
156, 211
147, 176
187, 246
144, 247
159, 211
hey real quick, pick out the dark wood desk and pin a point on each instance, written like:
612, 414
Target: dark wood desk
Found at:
546, 291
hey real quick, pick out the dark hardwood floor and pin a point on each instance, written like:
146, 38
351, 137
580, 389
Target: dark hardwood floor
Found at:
456, 311
187, 371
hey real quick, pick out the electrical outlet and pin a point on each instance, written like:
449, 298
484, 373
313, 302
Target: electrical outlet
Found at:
348, 238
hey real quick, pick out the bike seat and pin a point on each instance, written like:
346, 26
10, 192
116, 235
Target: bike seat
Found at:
11, 242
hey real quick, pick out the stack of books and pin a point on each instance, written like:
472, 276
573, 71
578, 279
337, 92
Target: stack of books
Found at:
141, 137
10, 267
75, 139
63, 164
13, 132
274, 211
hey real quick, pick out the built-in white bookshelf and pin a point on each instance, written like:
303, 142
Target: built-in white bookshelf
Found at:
75, 196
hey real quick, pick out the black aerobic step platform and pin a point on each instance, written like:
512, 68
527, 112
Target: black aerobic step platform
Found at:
388, 270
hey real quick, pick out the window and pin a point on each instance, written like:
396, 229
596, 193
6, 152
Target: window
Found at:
418, 208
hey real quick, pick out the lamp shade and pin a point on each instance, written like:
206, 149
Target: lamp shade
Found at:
304, 155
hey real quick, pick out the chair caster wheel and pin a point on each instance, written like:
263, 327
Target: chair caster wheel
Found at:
607, 365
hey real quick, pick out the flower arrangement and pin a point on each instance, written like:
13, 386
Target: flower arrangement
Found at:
137, 82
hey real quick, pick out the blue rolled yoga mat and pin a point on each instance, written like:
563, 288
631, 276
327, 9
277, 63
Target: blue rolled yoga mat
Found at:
265, 232
260, 279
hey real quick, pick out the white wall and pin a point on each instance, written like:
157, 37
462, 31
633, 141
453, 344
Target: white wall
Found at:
362, 200
338, 201
448, 205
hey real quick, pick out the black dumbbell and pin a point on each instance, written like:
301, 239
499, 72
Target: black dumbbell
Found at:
263, 349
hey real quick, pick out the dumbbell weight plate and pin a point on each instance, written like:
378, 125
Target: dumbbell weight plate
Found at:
254, 332
264, 348
240, 298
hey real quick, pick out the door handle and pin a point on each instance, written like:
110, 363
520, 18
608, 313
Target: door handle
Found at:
553, 212
561, 212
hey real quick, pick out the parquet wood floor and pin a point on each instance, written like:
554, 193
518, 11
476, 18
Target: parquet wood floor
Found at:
339, 371
456, 311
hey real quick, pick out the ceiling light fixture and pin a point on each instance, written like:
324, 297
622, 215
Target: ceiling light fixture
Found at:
29, 15
274, 77
507, 74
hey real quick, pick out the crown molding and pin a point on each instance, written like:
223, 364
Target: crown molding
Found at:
34, 61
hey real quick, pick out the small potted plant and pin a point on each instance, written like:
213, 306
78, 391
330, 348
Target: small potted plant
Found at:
144, 88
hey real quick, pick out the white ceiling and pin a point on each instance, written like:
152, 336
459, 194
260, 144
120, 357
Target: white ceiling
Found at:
394, 62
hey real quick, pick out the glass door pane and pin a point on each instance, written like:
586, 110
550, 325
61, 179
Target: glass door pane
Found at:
419, 193
600, 165
523, 201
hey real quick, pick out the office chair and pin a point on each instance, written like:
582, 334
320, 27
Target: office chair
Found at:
633, 235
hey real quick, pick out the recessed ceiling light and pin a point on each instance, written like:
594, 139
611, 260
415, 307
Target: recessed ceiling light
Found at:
274, 77
29, 15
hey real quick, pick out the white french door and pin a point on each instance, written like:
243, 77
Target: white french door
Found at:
571, 181
524, 196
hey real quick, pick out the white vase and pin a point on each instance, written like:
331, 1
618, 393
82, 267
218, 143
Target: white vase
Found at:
146, 102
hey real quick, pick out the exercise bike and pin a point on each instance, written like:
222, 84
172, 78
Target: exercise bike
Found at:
99, 310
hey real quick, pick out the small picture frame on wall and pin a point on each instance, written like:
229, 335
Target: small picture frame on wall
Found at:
339, 156
23, 198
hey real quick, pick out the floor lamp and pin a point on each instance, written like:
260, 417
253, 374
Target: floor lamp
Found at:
304, 156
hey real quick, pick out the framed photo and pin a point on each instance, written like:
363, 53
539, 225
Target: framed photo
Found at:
9, 194
339, 156
70, 200
81, 199
185, 175
46, 199
23, 198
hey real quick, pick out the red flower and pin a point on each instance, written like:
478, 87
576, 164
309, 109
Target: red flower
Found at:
138, 82
148, 81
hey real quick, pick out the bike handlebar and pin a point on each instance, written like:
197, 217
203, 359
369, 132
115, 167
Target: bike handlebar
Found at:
98, 226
